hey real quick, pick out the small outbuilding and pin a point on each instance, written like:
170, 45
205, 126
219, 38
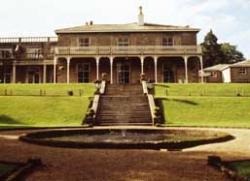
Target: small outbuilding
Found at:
240, 72
217, 74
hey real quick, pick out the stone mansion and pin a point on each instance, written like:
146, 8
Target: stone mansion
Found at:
163, 53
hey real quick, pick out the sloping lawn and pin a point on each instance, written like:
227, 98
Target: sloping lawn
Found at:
216, 105
42, 111
46, 89
54, 108
207, 111
219, 90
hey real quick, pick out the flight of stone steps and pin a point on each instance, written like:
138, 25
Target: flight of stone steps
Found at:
124, 105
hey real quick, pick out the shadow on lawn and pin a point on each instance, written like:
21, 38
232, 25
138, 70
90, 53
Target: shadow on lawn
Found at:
7, 120
180, 101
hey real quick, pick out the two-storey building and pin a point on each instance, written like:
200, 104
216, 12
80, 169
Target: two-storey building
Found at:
123, 52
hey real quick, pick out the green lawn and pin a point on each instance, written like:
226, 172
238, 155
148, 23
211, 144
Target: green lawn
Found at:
220, 107
46, 89
241, 167
54, 109
224, 90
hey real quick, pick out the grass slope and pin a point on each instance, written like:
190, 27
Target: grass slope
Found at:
27, 108
49, 89
220, 107
218, 90
207, 111
42, 111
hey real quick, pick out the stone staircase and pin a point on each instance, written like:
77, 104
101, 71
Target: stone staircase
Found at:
123, 105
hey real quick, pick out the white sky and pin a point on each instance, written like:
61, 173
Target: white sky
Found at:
229, 19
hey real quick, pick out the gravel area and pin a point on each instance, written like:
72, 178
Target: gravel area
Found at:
124, 165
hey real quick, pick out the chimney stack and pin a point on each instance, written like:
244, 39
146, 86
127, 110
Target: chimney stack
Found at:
140, 17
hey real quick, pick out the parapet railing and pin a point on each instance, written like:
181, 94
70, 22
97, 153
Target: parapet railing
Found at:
117, 50
95, 104
151, 102
27, 39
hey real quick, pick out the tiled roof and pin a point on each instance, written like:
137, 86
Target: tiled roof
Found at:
245, 63
130, 27
219, 67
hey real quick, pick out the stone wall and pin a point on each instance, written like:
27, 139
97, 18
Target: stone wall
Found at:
108, 39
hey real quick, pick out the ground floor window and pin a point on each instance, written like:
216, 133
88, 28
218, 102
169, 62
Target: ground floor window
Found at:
123, 72
168, 74
33, 75
83, 72
5, 74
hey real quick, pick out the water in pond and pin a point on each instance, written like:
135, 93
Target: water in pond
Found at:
124, 136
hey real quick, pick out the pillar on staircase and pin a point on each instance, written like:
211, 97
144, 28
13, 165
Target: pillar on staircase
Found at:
142, 64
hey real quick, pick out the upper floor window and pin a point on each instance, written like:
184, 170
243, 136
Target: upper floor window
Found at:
5, 53
243, 71
123, 41
84, 42
34, 53
168, 41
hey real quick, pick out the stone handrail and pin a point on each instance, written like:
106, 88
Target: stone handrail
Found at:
152, 107
102, 88
95, 105
133, 50
144, 87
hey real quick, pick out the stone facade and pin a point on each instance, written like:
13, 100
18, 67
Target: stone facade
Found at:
163, 53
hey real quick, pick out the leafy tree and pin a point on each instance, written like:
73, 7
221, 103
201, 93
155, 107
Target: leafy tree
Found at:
212, 53
215, 53
231, 54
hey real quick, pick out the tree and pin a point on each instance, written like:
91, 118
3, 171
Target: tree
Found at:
231, 54
215, 53
212, 53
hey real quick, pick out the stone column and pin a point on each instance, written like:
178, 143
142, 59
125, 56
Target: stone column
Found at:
97, 67
55, 66
155, 68
142, 64
201, 64
111, 69
44, 73
14, 73
68, 70
186, 68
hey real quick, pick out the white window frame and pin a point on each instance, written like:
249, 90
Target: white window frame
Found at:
89, 71
168, 41
34, 53
214, 74
83, 43
243, 71
123, 41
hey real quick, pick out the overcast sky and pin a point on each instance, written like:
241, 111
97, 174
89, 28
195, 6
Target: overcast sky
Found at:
229, 19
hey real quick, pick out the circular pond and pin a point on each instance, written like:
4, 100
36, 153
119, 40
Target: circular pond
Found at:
129, 138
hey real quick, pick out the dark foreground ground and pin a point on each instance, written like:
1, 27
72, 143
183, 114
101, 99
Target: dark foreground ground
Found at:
110, 165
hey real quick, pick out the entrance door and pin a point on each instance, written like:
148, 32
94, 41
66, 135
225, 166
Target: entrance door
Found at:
33, 75
168, 74
123, 72
83, 72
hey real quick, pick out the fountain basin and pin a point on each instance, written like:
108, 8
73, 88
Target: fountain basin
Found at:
126, 139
